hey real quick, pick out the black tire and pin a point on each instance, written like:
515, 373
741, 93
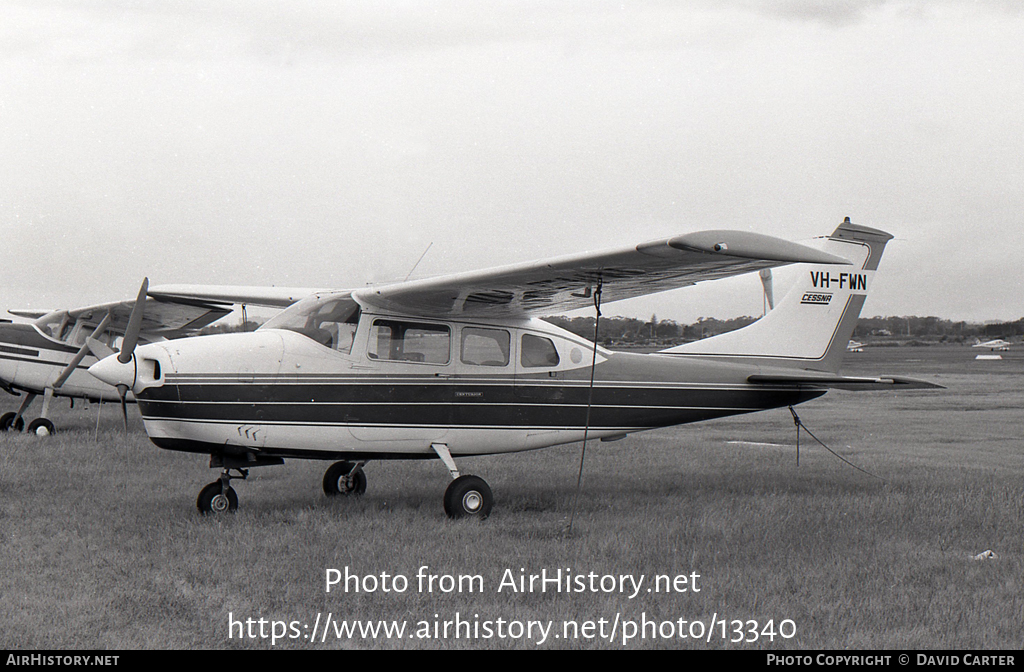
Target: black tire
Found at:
212, 501
41, 427
337, 480
7, 423
468, 497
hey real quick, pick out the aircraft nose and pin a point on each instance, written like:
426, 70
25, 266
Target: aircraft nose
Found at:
112, 372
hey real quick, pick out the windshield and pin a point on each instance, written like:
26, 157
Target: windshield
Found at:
56, 325
328, 319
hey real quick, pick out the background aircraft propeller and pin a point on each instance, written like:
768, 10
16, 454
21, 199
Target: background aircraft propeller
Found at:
99, 349
77, 359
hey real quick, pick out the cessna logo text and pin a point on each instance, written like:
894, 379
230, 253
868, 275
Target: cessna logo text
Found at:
852, 281
816, 297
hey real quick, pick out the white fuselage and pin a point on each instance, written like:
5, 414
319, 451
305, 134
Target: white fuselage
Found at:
281, 393
31, 361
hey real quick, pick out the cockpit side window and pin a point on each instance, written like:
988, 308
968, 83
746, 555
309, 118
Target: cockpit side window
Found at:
401, 341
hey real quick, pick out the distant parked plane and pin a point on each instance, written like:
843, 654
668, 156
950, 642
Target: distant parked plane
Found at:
997, 344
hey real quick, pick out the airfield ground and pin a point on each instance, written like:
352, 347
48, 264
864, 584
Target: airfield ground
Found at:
102, 546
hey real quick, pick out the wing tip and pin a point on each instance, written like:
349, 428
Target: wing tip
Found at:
749, 245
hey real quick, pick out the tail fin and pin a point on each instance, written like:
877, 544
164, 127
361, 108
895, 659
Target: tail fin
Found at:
811, 326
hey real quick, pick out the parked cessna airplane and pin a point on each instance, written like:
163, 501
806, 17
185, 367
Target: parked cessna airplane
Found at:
997, 344
50, 355
461, 365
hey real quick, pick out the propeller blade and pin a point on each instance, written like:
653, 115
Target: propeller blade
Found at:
766, 282
131, 332
99, 349
122, 390
72, 365
80, 355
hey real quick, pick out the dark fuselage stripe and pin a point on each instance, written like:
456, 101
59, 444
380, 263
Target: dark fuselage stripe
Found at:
437, 406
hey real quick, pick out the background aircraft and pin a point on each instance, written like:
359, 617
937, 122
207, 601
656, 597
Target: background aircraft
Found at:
997, 344
50, 355
461, 365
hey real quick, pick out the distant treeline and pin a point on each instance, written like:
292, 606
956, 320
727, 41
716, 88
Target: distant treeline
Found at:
630, 330
935, 328
920, 330
618, 330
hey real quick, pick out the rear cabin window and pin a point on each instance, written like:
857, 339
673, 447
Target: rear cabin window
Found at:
400, 341
485, 347
537, 351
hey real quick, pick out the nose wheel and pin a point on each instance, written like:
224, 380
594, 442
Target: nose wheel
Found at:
41, 427
219, 497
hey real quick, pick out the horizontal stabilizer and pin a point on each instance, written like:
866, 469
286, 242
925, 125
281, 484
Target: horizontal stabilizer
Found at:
852, 383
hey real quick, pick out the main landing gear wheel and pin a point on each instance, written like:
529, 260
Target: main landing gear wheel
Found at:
217, 498
344, 478
7, 423
41, 427
468, 497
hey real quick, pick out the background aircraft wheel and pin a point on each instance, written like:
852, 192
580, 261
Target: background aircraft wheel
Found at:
468, 496
338, 482
212, 500
41, 427
7, 423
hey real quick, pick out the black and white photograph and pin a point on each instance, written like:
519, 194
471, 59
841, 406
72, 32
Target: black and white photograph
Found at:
516, 325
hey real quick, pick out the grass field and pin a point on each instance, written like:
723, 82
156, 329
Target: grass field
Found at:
103, 547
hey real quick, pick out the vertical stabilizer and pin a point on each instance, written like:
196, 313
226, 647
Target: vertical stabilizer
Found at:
811, 326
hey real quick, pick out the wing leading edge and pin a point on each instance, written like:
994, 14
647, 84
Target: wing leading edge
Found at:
271, 297
568, 283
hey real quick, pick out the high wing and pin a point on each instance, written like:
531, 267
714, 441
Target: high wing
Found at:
271, 297
569, 282
162, 318
170, 310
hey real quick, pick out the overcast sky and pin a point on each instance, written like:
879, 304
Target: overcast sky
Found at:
329, 143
